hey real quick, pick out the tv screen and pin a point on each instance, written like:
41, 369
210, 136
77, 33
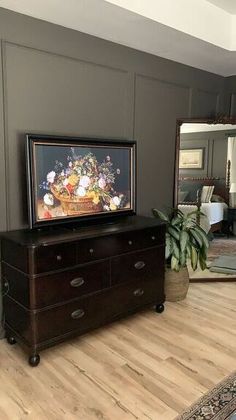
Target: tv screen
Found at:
70, 179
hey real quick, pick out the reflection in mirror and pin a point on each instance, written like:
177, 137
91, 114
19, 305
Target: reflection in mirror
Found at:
205, 177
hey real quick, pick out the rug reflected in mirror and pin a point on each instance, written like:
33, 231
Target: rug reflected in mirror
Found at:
217, 404
218, 247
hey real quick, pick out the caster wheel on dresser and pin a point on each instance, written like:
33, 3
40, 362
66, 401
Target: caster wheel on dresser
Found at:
11, 340
160, 308
34, 360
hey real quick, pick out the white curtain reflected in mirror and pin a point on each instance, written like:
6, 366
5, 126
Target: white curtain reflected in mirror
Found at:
231, 157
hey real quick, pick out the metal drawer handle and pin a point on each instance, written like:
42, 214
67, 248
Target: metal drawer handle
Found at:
130, 242
91, 250
153, 238
77, 282
59, 257
79, 313
139, 265
138, 292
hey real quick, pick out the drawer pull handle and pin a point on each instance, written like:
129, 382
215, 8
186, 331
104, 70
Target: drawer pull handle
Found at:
153, 238
79, 313
59, 257
77, 282
130, 242
91, 250
139, 265
138, 292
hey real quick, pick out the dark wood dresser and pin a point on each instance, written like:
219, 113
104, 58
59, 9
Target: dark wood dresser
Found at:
61, 283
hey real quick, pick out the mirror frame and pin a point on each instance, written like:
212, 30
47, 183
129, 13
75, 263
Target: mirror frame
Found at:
181, 121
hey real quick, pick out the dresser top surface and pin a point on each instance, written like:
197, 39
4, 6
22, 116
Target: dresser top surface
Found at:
56, 235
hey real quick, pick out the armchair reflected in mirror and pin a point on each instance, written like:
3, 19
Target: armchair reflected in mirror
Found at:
205, 168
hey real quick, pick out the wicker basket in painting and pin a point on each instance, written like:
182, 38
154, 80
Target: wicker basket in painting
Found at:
72, 206
176, 284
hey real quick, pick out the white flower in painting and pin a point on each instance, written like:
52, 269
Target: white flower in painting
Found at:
106, 208
65, 182
116, 200
62, 172
50, 177
70, 164
48, 199
81, 191
84, 181
101, 183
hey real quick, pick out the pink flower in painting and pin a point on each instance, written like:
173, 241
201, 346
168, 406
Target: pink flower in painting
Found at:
47, 215
84, 181
101, 183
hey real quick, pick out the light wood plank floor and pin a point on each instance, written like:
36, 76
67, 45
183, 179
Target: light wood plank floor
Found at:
148, 366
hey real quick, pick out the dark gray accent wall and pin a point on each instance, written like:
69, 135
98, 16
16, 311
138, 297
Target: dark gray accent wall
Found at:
59, 81
230, 94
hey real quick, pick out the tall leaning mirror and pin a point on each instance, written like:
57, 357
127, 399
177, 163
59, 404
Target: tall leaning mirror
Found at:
205, 176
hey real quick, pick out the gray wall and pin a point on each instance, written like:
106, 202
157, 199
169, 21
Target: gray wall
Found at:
58, 81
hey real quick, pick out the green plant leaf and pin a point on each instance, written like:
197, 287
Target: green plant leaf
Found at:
174, 263
183, 239
160, 215
176, 221
202, 262
194, 258
188, 248
182, 259
196, 236
168, 249
175, 248
203, 235
173, 232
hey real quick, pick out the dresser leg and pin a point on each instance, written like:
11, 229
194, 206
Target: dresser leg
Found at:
160, 308
11, 340
34, 360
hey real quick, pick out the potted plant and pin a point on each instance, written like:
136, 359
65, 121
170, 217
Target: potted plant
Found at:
185, 241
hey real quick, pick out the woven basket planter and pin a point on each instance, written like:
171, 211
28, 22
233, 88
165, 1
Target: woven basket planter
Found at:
176, 284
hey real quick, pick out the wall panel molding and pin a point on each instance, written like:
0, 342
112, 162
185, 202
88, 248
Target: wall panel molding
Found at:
54, 94
3, 161
233, 104
67, 56
158, 104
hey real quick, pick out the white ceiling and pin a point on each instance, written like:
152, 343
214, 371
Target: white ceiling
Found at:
227, 5
193, 32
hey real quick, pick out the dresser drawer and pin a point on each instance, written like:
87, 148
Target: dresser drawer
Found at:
54, 257
141, 265
131, 296
95, 310
69, 284
108, 246
80, 315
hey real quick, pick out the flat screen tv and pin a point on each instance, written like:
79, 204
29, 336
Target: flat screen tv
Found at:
73, 179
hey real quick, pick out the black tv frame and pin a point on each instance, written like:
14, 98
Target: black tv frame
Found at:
81, 219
